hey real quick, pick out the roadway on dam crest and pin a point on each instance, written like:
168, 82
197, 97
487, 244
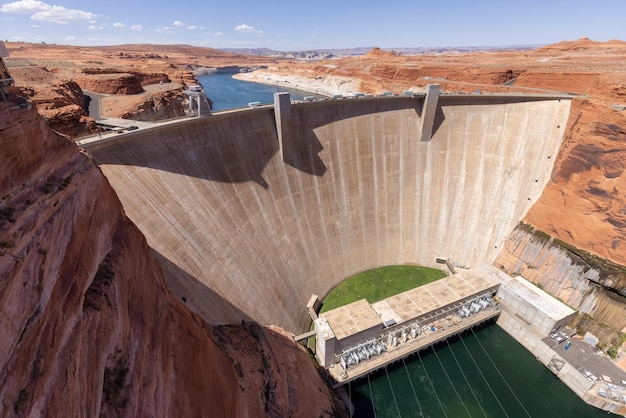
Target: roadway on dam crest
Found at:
245, 230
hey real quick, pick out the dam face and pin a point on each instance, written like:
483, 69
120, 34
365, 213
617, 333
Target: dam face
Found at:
246, 229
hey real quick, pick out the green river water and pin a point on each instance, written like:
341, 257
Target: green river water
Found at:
484, 374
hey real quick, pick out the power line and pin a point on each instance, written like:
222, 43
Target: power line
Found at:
502, 377
413, 388
484, 379
450, 380
393, 394
371, 395
466, 380
431, 385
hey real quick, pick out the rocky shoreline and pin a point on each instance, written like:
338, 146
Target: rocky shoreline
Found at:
326, 85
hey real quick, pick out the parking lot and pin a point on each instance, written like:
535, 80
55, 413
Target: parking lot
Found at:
584, 357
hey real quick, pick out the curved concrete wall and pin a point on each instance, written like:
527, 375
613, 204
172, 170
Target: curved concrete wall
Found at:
243, 234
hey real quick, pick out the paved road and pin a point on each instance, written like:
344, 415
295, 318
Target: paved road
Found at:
582, 357
94, 104
95, 112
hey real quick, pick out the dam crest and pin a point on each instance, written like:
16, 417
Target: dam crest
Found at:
250, 212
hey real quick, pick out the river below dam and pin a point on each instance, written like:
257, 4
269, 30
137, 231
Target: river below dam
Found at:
228, 93
486, 373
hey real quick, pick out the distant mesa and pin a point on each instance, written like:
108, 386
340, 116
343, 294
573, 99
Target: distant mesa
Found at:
379, 53
583, 43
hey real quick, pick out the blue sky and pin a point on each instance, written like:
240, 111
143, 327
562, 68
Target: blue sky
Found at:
301, 25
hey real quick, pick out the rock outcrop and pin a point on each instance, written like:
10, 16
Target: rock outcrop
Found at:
112, 81
61, 103
88, 326
150, 107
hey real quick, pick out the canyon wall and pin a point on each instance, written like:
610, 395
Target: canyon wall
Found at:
584, 203
88, 326
243, 232
592, 285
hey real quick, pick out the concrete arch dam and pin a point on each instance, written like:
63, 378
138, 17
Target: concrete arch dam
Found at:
247, 227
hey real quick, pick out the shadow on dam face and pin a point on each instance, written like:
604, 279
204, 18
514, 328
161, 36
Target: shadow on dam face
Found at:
196, 292
234, 150
254, 235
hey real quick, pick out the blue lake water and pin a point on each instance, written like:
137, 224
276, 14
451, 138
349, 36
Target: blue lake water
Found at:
229, 93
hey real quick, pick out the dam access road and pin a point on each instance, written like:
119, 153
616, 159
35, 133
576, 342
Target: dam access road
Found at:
250, 212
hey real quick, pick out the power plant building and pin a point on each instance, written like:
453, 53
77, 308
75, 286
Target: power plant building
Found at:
357, 338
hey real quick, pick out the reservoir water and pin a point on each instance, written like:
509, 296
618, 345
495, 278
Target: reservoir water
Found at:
229, 93
486, 373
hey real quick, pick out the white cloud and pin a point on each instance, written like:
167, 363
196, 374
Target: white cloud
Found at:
35, 26
61, 15
191, 27
24, 7
94, 27
178, 23
45, 12
248, 29
136, 27
70, 38
244, 28
119, 25
218, 33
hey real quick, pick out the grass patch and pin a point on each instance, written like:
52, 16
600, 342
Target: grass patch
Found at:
379, 283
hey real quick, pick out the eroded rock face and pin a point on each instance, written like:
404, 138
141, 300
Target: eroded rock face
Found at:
88, 326
166, 105
62, 103
112, 81
585, 203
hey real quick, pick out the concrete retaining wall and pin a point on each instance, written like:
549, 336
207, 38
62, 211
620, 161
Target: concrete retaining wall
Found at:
244, 233
530, 338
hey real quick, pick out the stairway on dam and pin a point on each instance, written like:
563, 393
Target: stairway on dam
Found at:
246, 227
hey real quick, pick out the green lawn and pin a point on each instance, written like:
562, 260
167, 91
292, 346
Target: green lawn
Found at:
379, 283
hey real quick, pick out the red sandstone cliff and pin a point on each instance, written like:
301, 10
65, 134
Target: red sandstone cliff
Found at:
88, 326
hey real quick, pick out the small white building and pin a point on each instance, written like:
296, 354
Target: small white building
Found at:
534, 306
